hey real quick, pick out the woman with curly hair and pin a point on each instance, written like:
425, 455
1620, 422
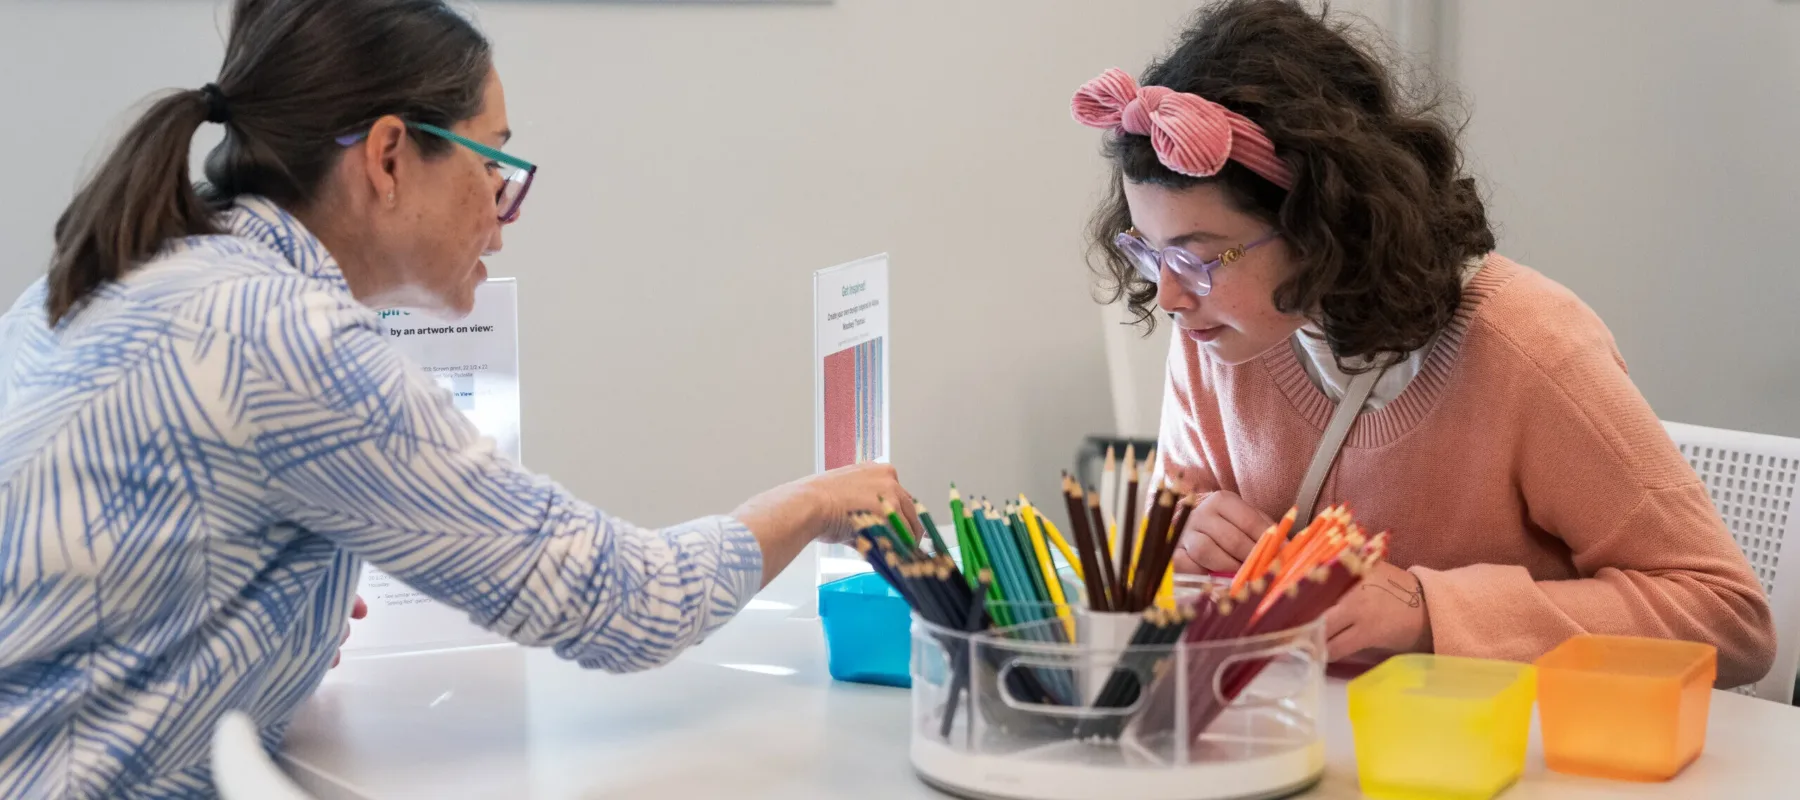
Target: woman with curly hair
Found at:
1346, 334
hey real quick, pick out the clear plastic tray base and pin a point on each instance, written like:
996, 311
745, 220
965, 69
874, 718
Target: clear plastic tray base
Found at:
1077, 771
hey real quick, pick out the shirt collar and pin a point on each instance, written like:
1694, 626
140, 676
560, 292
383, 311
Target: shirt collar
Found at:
260, 220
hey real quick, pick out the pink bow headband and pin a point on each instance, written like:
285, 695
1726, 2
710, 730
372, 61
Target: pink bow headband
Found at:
1191, 134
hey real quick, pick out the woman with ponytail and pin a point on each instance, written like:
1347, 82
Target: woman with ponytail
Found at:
1346, 334
203, 433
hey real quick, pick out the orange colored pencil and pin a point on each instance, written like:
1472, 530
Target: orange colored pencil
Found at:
1305, 536
1254, 563
1282, 529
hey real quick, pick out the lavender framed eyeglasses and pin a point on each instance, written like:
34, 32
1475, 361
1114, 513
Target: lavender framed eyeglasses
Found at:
1194, 273
519, 172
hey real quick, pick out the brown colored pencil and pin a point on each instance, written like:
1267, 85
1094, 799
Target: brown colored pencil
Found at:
1128, 543
1156, 528
1164, 551
1084, 542
1116, 601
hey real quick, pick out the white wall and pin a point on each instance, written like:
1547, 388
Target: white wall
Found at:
698, 163
1644, 153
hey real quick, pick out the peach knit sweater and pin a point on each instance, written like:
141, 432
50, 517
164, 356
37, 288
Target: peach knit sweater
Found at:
1522, 476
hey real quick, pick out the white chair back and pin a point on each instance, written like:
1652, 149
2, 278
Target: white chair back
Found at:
242, 769
1753, 478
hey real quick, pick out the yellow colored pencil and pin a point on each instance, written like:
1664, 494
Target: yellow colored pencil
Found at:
1137, 546
1052, 580
1062, 546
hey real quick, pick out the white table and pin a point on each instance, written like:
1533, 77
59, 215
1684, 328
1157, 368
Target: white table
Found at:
753, 714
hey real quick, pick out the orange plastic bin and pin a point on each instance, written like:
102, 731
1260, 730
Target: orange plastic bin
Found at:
1625, 708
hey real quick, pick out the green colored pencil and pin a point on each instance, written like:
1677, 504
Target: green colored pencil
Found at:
971, 551
937, 539
899, 525
1001, 613
966, 536
882, 532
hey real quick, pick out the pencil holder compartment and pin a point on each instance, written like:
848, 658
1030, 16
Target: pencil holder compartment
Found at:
1028, 712
1109, 634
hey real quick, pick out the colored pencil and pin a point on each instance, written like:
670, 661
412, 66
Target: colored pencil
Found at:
1062, 546
937, 538
960, 655
1012, 568
1052, 582
971, 552
1109, 488
1157, 519
1115, 598
865, 545
1128, 538
898, 524
1150, 479
1165, 553
935, 591
1022, 539
1328, 564
1002, 614
1013, 592
1008, 582
1158, 550
1081, 527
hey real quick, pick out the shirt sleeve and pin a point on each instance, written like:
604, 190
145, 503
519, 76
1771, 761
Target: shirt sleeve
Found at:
1599, 473
360, 446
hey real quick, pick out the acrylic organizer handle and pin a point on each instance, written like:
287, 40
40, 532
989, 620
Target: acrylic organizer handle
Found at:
1056, 671
1207, 677
1242, 669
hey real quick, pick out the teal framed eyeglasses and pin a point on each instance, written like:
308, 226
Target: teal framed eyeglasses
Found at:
518, 177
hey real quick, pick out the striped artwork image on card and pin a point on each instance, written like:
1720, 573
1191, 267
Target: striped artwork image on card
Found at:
855, 418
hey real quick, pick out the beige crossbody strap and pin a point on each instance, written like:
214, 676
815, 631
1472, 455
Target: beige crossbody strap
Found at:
1355, 395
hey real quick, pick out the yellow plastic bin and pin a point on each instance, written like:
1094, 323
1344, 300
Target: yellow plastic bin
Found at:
1623, 707
1432, 726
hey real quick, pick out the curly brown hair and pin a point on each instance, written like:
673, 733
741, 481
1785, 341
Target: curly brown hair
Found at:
1380, 218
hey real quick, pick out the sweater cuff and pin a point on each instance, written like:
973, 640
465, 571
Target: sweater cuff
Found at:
1483, 611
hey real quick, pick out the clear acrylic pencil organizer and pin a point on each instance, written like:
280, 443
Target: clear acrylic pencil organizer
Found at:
1029, 712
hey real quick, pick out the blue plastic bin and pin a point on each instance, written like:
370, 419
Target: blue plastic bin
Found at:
868, 631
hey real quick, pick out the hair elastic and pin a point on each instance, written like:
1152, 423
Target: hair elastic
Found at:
217, 110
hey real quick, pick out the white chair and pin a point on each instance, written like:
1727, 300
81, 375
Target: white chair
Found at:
242, 769
1753, 480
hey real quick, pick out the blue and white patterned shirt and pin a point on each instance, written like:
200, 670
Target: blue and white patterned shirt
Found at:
191, 469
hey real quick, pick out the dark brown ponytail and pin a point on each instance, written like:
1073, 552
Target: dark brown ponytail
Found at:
138, 199
297, 75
